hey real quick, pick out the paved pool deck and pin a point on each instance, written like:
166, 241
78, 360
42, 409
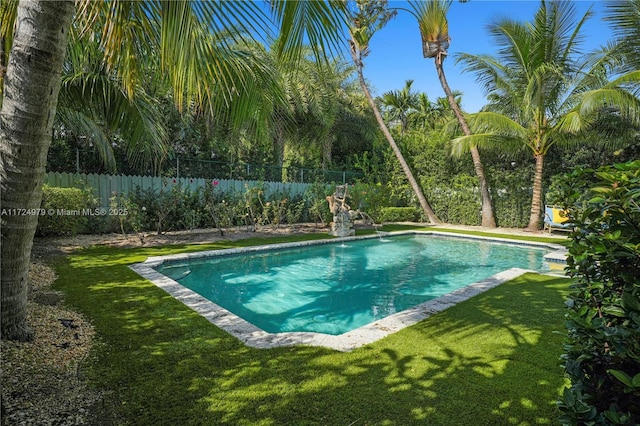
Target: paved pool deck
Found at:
258, 338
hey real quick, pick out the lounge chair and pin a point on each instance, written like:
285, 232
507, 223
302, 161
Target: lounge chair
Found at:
556, 218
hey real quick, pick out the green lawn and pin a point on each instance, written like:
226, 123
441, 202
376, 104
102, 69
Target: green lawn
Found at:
491, 360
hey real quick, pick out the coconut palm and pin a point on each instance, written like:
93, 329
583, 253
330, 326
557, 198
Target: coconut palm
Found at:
624, 17
541, 88
368, 17
29, 102
434, 30
184, 35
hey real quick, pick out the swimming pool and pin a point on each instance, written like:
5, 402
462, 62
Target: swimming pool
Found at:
325, 290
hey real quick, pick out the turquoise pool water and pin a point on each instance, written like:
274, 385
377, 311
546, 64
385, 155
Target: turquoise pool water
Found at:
337, 287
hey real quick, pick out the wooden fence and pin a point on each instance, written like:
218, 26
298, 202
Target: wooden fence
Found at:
106, 186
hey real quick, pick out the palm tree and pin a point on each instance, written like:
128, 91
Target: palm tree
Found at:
540, 89
185, 37
425, 115
29, 102
93, 106
310, 105
369, 17
432, 115
399, 104
434, 29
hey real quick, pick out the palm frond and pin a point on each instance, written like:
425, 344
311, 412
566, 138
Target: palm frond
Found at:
462, 144
630, 79
573, 122
514, 43
95, 105
627, 105
624, 17
488, 70
8, 13
83, 126
491, 122
318, 21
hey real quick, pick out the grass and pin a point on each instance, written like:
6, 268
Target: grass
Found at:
493, 359
532, 238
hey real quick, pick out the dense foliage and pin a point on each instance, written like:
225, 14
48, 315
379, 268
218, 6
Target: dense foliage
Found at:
314, 116
602, 350
66, 211
399, 214
71, 211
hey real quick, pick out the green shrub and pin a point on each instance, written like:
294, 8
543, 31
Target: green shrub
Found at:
370, 198
67, 211
398, 214
602, 349
317, 208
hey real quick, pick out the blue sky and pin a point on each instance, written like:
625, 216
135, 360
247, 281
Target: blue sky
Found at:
396, 52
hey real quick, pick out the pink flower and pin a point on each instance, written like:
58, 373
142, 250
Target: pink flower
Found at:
174, 180
214, 182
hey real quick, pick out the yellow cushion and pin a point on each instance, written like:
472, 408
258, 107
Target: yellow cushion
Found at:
559, 215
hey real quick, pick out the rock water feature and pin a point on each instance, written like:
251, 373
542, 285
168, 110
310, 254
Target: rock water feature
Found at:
342, 225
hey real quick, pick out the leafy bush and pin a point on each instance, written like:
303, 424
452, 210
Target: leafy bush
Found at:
602, 350
398, 214
370, 198
67, 211
316, 202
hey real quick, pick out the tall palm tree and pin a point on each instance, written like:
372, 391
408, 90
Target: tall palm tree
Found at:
399, 104
540, 88
368, 17
434, 29
184, 35
30, 97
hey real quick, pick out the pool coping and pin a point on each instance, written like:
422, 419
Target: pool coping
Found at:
255, 337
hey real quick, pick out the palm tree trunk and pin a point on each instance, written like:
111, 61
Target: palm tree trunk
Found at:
279, 150
32, 83
488, 217
536, 200
405, 166
327, 148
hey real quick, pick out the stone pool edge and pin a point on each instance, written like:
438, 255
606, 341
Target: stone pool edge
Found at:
255, 337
